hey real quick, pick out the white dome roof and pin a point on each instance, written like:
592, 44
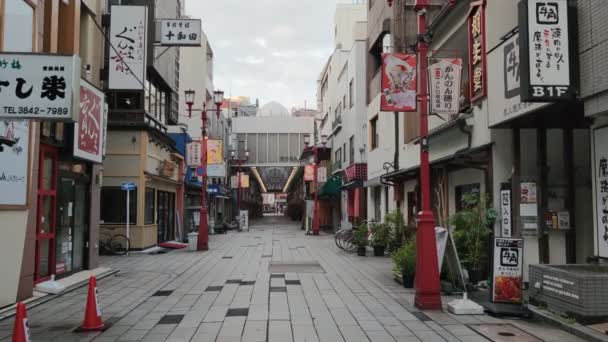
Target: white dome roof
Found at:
274, 109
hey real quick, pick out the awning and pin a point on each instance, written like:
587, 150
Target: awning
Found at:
370, 183
357, 183
332, 187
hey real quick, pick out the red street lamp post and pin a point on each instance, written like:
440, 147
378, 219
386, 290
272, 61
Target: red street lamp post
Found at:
202, 244
240, 162
316, 217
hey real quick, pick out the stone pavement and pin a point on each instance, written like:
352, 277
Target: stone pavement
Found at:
231, 294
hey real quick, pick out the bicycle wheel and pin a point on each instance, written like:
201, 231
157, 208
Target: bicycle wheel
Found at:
104, 244
337, 238
120, 244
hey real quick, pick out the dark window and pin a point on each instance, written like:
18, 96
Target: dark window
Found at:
462, 190
338, 158
352, 149
128, 100
344, 102
351, 95
114, 203
149, 206
344, 155
377, 196
374, 132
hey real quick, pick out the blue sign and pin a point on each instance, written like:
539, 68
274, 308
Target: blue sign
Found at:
200, 171
128, 186
213, 189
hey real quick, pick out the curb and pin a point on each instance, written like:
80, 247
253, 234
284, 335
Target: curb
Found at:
575, 329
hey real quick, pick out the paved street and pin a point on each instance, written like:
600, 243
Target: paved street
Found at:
230, 294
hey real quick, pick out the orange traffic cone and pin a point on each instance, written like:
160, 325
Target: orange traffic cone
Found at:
92, 315
21, 329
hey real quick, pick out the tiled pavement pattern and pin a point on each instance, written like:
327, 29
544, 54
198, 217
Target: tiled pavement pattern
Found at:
228, 294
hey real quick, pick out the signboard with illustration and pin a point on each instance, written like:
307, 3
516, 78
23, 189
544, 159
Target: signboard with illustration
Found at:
508, 270
127, 64
214, 152
600, 141
14, 159
89, 130
38, 86
399, 82
444, 82
180, 32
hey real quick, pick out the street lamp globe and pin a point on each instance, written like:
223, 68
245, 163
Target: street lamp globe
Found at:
232, 153
189, 95
218, 97
247, 154
306, 139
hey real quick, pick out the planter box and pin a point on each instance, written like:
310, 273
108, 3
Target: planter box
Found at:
576, 291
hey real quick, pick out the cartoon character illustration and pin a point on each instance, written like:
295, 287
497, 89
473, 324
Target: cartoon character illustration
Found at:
401, 91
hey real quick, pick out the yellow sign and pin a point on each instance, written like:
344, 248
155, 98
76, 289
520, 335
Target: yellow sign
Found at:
244, 181
214, 152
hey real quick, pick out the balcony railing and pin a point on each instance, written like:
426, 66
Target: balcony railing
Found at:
356, 172
336, 166
337, 122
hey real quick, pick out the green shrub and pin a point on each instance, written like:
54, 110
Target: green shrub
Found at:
360, 236
404, 259
381, 235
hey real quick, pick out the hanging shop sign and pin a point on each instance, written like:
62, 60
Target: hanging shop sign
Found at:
444, 76
322, 174
234, 182
504, 84
477, 51
89, 129
309, 173
193, 153
214, 152
546, 71
600, 141
216, 170
399, 82
505, 212
39, 86
127, 64
508, 270
180, 32
14, 162
244, 180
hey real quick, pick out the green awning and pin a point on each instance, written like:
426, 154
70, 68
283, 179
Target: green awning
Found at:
332, 187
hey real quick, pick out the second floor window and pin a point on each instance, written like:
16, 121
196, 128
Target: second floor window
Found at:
352, 149
373, 126
351, 95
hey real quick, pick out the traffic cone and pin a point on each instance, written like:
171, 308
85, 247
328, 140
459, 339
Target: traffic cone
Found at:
21, 329
92, 315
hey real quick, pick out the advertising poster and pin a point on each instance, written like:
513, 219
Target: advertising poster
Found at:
214, 152
88, 131
14, 159
244, 181
309, 173
508, 270
399, 83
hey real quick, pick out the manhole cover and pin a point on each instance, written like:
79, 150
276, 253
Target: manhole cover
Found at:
503, 333
303, 267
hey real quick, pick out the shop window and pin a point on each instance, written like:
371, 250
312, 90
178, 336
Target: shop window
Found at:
463, 190
373, 124
338, 156
113, 206
149, 206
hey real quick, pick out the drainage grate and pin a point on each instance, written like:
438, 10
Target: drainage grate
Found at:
162, 293
246, 283
278, 289
303, 267
171, 319
277, 275
292, 282
421, 316
237, 312
503, 332
227, 257
233, 281
214, 289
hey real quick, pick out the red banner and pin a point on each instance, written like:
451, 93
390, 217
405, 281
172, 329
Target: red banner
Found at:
399, 83
88, 139
309, 173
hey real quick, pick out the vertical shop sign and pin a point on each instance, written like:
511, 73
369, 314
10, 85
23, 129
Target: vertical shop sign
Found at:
508, 270
444, 81
505, 211
600, 141
90, 127
477, 51
399, 82
193, 153
127, 63
547, 72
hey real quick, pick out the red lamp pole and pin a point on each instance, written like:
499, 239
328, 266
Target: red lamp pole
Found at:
427, 282
315, 219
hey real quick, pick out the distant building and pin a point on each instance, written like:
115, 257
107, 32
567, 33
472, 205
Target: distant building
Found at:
274, 109
303, 112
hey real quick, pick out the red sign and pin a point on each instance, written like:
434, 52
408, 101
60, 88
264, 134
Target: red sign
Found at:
477, 51
88, 131
399, 83
309, 173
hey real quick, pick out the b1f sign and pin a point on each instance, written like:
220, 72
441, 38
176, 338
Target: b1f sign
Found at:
547, 71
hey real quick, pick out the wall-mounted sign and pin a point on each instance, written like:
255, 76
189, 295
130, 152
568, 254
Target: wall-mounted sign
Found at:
476, 24
505, 213
309, 173
214, 152
399, 82
180, 32
444, 82
504, 83
546, 69
508, 270
193, 153
14, 159
89, 129
38, 86
127, 64
600, 141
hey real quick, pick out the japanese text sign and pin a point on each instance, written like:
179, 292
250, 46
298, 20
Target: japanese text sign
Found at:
214, 152
180, 32
444, 81
193, 153
399, 82
88, 130
37, 86
322, 174
505, 213
508, 270
14, 162
477, 51
545, 51
127, 64
600, 141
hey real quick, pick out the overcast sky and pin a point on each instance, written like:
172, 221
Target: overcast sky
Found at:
268, 49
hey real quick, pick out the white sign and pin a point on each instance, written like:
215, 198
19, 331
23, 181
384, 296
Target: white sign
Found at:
90, 128
216, 170
193, 154
180, 32
504, 82
508, 270
600, 141
505, 212
322, 175
14, 162
37, 86
244, 220
546, 73
127, 65
444, 81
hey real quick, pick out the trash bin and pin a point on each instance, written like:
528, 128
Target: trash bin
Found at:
192, 240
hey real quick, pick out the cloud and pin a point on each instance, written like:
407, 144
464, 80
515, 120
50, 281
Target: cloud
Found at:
261, 42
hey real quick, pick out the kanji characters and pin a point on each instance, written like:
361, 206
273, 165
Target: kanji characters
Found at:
53, 87
19, 92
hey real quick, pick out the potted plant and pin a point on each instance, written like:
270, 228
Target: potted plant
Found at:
399, 231
404, 263
360, 240
381, 238
472, 227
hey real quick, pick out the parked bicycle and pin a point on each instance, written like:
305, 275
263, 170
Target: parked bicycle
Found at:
345, 239
118, 244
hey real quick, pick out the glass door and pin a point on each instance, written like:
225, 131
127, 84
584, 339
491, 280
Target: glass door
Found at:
46, 214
